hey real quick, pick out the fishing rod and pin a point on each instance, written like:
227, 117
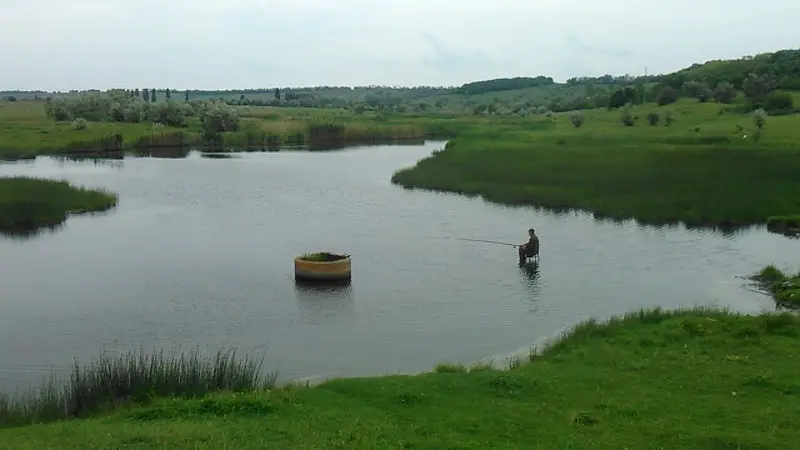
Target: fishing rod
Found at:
489, 242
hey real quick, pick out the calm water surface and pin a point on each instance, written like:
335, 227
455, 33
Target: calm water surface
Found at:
199, 252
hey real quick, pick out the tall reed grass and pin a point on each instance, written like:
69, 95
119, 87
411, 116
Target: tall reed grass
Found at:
30, 203
133, 378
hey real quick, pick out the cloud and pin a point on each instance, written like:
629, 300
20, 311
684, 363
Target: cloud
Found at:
204, 44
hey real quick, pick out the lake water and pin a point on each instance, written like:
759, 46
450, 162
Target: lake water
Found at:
199, 252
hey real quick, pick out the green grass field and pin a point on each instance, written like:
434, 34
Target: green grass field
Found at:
678, 380
27, 204
704, 169
26, 131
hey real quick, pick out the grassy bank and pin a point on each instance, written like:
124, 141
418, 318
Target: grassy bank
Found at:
677, 380
116, 381
27, 204
703, 169
785, 288
787, 225
26, 131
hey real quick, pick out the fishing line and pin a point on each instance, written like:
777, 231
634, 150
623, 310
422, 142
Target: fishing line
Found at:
488, 242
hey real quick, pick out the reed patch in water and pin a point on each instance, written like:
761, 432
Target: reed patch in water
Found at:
160, 139
27, 204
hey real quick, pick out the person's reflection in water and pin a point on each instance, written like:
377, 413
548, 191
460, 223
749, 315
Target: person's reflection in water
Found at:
320, 303
531, 278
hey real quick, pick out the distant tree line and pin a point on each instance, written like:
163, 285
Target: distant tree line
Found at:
761, 80
503, 84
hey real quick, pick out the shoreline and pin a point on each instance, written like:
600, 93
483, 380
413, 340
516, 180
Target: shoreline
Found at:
599, 361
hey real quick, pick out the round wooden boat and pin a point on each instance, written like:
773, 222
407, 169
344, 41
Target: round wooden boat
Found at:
322, 266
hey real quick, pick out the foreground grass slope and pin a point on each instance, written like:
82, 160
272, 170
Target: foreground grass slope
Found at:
30, 203
679, 380
704, 168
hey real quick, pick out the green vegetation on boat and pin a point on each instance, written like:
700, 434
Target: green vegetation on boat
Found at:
27, 204
721, 379
321, 257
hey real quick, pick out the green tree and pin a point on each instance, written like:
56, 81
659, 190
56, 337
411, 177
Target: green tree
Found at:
724, 93
756, 87
667, 96
146, 95
616, 100
698, 90
153, 95
187, 96
167, 94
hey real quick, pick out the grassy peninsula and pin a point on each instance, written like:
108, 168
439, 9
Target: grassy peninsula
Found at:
703, 169
27, 204
680, 380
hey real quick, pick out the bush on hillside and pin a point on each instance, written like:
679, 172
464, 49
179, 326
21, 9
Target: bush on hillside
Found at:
626, 117
760, 118
756, 87
667, 96
80, 124
724, 93
778, 101
697, 90
576, 119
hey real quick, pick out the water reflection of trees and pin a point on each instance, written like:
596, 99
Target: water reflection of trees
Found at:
25, 234
112, 160
319, 303
163, 152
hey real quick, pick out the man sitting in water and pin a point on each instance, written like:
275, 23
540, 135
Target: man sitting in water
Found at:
530, 248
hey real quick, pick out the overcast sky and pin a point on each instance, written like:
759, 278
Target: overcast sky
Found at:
229, 44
